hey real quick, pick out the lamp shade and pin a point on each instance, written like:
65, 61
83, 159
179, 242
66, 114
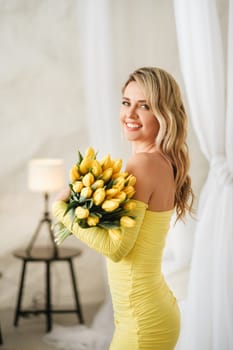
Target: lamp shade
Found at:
46, 175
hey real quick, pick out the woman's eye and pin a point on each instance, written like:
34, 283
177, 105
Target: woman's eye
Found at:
145, 106
125, 103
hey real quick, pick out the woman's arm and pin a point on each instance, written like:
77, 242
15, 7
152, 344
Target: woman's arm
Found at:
99, 238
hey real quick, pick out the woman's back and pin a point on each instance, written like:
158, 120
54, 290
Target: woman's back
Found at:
155, 180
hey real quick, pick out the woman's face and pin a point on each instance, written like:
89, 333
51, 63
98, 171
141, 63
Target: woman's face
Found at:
137, 119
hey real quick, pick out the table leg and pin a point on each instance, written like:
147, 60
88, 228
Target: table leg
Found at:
18, 307
1, 340
48, 297
78, 306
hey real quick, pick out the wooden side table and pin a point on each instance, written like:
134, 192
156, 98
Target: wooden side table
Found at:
46, 255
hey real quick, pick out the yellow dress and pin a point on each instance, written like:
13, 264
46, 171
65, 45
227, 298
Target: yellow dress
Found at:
145, 310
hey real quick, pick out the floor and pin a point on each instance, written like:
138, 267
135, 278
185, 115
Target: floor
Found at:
28, 335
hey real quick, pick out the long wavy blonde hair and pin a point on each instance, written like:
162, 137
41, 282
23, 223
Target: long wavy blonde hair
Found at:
163, 95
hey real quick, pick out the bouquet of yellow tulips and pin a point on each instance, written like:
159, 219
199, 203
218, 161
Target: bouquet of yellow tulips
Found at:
100, 195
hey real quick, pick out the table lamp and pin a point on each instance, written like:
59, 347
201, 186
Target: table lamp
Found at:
45, 176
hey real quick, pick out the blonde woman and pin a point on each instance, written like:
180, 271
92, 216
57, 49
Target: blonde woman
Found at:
153, 119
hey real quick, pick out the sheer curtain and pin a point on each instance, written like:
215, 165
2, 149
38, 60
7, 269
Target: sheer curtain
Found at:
208, 311
98, 76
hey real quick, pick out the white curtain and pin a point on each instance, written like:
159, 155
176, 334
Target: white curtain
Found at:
208, 311
98, 76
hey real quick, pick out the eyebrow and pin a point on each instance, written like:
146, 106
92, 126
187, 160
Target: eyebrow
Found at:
140, 101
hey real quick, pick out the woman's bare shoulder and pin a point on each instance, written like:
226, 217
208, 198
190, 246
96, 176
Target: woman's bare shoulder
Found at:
154, 178
153, 163
138, 159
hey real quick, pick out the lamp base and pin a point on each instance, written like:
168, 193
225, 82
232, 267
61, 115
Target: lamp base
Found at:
45, 220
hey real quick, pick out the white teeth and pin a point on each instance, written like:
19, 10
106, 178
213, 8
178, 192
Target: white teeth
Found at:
133, 126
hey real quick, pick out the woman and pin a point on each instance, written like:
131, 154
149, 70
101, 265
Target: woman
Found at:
154, 121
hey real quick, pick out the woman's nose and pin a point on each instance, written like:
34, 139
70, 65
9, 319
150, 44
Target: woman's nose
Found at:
131, 113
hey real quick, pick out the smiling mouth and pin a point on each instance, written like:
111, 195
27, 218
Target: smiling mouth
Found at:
133, 126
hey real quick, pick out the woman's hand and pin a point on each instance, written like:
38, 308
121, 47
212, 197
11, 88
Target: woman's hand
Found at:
63, 195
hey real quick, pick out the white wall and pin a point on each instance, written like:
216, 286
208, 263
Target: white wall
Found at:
43, 114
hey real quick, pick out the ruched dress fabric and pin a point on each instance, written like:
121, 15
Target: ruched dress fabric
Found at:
146, 313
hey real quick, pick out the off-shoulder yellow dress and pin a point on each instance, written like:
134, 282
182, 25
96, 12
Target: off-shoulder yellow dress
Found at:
145, 310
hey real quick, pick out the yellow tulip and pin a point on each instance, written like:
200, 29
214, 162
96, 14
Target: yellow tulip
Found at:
127, 221
97, 184
90, 153
110, 205
106, 162
96, 168
130, 205
125, 174
117, 165
115, 233
85, 165
99, 196
119, 183
111, 192
81, 213
88, 179
115, 175
121, 196
74, 174
106, 175
86, 192
92, 220
77, 186
131, 180
129, 190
